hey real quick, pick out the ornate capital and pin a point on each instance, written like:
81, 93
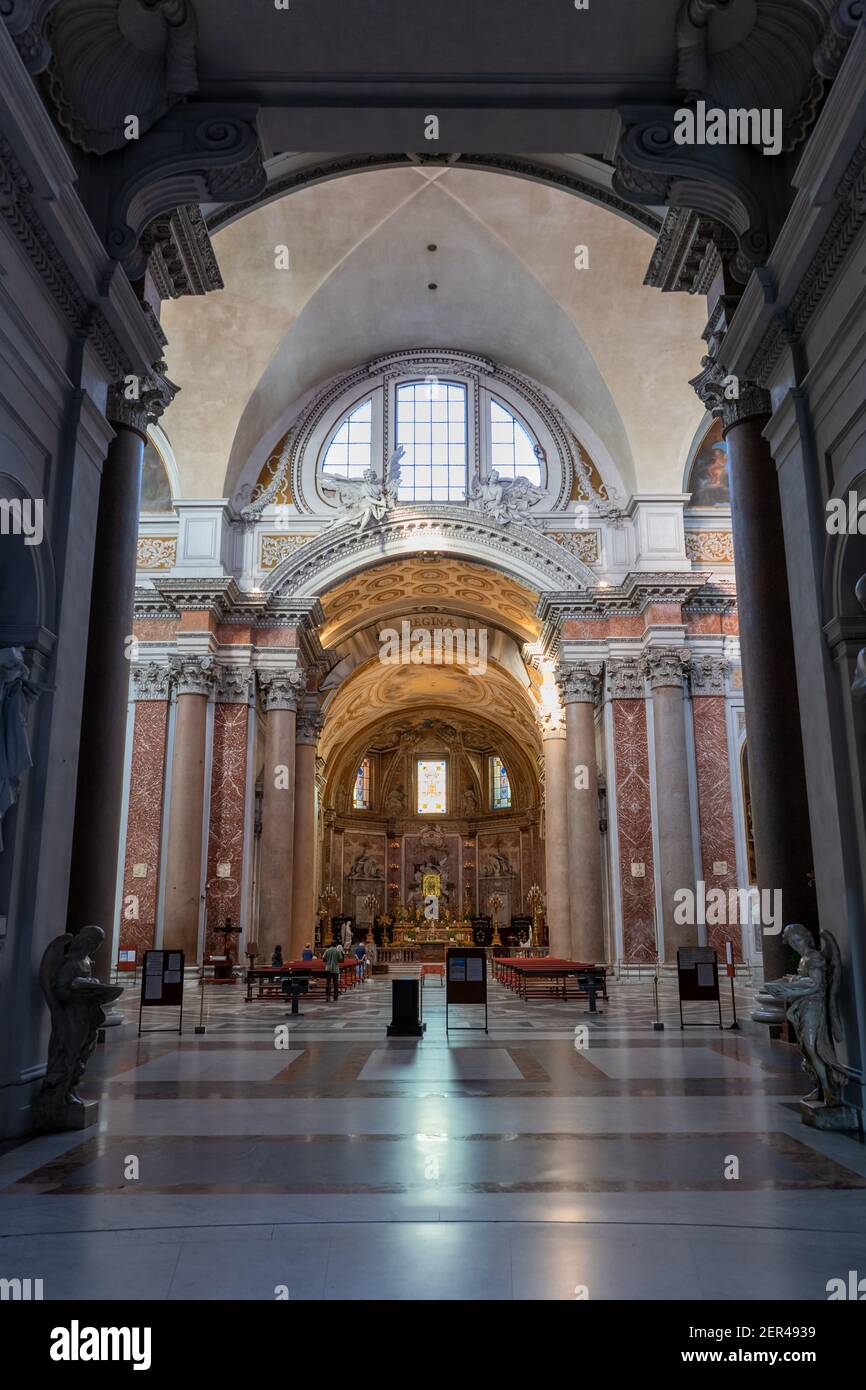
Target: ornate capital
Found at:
281, 690
753, 401
551, 723
665, 666
579, 683
234, 685
309, 727
193, 675
708, 674
151, 682
137, 402
624, 680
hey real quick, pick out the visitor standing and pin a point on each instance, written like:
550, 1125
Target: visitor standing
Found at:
333, 956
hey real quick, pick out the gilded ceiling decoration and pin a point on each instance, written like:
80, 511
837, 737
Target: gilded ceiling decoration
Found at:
283, 495
404, 586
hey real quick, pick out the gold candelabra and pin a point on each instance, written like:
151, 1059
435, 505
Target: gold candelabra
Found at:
535, 901
495, 904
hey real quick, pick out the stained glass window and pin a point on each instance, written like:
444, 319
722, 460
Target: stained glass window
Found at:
431, 426
431, 786
361, 797
512, 449
350, 451
501, 785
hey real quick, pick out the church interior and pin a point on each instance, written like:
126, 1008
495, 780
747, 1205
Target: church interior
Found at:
433, 785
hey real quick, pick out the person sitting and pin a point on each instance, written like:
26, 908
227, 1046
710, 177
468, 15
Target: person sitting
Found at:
307, 953
277, 958
361, 957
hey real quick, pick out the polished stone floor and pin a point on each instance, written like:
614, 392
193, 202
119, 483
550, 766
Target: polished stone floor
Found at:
528, 1163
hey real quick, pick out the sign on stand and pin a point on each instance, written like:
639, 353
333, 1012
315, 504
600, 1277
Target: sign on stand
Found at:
465, 980
698, 980
162, 986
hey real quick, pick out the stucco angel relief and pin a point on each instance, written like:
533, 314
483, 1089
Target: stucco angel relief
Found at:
505, 499
364, 499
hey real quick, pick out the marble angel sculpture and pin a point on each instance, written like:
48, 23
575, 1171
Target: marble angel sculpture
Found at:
812, 997
76, 1001
17, 690
505, 499
365, 499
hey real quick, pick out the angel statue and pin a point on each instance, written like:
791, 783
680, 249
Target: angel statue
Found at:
365, 499
812, 996
505, 499
76, 1001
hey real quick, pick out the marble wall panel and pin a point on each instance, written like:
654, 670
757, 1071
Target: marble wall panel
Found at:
634, 823
715, 810
225, 849
144, 827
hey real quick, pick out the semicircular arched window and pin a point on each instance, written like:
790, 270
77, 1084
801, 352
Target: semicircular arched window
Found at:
350, 451
513, 451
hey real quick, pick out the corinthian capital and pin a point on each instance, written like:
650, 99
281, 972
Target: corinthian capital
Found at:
234, 685
579, 683
281, 689
309, 728
193, 675
624, 680
708, 675
139, 401
665, 666
151, 682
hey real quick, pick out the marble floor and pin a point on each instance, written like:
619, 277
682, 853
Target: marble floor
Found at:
312, 1155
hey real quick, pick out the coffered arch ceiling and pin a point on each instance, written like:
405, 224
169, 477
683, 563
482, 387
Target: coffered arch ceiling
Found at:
614, 355
375, 691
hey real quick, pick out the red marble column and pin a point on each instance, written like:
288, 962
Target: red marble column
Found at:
634, 846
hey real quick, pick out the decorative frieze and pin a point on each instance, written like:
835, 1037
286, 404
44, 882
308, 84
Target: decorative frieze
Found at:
579, 684
156, 552
586, 545
281, 689
624, 680
151, 681
274, 548
193, 675
665, 666
708, 674
710, 547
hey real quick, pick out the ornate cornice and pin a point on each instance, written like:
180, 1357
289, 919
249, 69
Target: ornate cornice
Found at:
235, 685
426, 526
193, 675
708, 674
138, 402
180, 255
580, 683
629, 599
624, 679
151, 682
665, 666
214, 596
281, 690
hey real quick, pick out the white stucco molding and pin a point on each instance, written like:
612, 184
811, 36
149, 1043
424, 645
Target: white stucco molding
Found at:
518, 551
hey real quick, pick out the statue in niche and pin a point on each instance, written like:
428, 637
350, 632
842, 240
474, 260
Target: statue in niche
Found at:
16, 692
505, 499
365, 499
365, 866
469, 802
812, 997
76, 1001
395, 802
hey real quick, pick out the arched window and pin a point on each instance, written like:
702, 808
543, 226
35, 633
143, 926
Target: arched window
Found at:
432, 786
431, 426
500, 797
512, 448
361, 794
350, 451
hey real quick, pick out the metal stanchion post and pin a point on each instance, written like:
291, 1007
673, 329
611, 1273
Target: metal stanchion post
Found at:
658, 1026
200, 1028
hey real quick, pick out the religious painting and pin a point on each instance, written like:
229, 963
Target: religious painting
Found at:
155, 487
708, 481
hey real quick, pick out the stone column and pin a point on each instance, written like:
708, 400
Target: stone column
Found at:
279, 692
666, 669
579, 688
304, 881
193, 677
557, 911
780, 809
102, 744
